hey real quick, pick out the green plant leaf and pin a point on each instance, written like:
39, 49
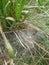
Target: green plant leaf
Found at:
1, 6
47, 3
16, 9
19, 9
40, 2
6, 5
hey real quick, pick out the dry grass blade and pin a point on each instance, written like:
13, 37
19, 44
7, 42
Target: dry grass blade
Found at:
19, 40
7, 43
24, 40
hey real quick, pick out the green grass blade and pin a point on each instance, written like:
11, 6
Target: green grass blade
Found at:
6, 6
47, 3
19, 9
16, 9
1, 7
40, 2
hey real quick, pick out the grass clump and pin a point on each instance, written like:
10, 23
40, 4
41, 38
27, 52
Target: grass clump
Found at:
11, 12
4, 18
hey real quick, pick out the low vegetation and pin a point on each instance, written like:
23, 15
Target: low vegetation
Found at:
24, 32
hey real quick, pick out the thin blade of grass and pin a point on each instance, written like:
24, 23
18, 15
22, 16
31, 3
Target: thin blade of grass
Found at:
7, 44
19, 9
1, 6
40, 2
16, 9
7, 4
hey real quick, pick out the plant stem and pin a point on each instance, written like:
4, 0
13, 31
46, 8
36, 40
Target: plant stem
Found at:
7, 43
19, 9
